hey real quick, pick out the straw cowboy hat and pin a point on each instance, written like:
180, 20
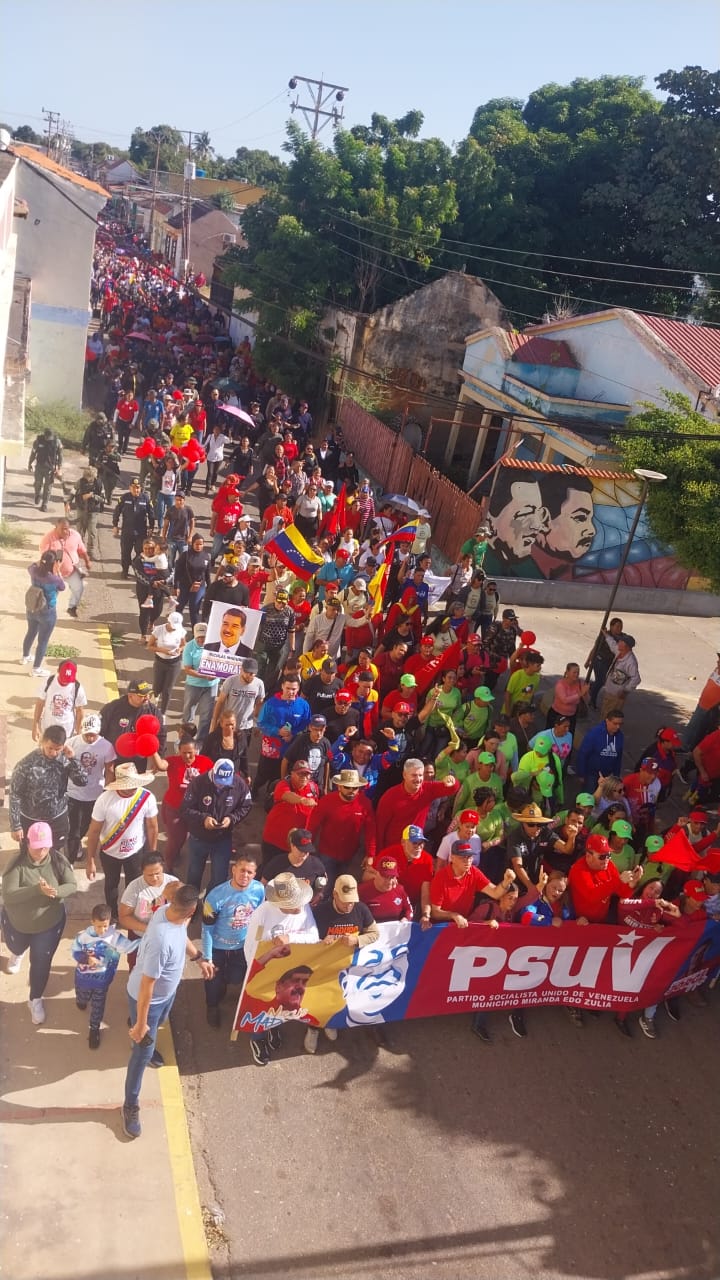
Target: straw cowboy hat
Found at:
127, 778
349, 778
287, 892
531, 813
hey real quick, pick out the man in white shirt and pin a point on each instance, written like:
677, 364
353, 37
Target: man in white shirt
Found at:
123, 826
95, 755
143, 897
61, 702
167, 642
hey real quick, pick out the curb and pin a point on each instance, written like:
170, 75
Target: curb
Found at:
182, 1168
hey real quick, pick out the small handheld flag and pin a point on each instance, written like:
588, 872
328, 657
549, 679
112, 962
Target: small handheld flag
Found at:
295, 553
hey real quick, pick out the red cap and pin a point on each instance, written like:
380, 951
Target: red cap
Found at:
342, 555
474, 639
403, 708
387, 866
428, 640
672, 738
343, 695
694, 889
697, 815
67, 673
469, 815
597, 844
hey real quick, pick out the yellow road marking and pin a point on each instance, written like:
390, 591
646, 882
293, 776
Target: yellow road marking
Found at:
182, 1169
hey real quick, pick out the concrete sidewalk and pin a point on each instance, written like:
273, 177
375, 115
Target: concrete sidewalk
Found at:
80, 1200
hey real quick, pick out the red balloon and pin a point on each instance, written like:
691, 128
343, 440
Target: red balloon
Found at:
139, 452
527, 637
159, 450
174, 449
147, 724
147, 744
201, 453
126, 745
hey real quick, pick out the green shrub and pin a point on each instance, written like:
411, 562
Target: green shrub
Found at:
11, 537
68, 423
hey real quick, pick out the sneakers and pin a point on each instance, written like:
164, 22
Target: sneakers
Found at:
331, 1033
41, 671
157, 1060
274, 1038
260, 1052
37, 1012
517, 1022
94, 1038
14, 963
623, 1026
310, 1042
212, 1013
25, 661
672, 1009
479, 1029
131, 1121
72, 611
647, 1026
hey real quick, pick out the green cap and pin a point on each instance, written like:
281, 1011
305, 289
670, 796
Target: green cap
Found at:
542, 745
622, 828
484, 694
408, 681
486, 758
585, 800
654, 844
546, 783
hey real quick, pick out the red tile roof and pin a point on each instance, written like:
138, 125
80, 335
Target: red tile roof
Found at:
531, 349
520, 464
41, 161
696, 344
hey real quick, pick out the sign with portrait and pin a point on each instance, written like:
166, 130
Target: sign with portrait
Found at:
412, 972
231, 636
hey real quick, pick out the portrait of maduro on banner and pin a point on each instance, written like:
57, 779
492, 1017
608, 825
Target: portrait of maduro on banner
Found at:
231, 635
415, 973
571, 524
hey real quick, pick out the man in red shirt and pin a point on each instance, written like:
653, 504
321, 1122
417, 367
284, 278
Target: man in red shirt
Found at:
125, 417
453, 890
384, 894
390, 663
416, 869
405, 695
594, 881
343, 823
409, 803
706, 758
294, 800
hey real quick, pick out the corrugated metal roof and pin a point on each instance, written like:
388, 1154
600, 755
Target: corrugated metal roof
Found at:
531, 349
520, 465
41, 161
695, 344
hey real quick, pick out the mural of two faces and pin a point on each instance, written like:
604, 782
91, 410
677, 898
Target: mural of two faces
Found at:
571, 524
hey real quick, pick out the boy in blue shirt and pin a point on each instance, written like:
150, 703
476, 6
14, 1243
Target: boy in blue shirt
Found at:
97, 952
226, 911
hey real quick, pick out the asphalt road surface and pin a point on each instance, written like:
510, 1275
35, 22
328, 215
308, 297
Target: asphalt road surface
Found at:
425, 1153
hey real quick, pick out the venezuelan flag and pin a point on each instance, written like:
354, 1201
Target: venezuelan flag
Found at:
378, 583
294, 552
406, 533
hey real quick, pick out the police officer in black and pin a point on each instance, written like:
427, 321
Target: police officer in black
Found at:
134, 512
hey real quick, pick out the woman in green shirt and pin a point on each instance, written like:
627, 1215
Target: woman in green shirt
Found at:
33, 917
445, 700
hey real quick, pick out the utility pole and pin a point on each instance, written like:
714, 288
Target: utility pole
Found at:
186, 206
52, 119
151, 225
316, 112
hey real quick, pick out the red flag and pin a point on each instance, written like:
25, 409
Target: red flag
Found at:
446, 661
679, 852
333, 522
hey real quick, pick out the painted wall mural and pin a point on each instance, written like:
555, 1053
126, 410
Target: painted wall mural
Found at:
570, 524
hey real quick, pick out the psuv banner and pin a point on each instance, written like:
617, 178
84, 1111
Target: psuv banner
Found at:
415, 973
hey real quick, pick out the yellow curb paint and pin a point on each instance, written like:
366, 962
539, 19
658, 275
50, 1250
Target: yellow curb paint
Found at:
108, 661
187, 1200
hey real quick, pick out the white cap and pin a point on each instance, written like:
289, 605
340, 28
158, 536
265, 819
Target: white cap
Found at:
90, 723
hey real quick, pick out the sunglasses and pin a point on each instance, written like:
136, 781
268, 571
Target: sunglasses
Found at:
534, 825
604, 857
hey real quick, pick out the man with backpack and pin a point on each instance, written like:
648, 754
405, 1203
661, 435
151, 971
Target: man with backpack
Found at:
46, 457
62, 701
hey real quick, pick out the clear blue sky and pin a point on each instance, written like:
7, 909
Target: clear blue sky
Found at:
208, 65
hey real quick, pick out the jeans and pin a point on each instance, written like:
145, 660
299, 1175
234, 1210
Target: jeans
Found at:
79, 815
231, 968
162, 506
217, 546
174, 549
113, 869
41, 625
219, 851
212, 474
165, 674
198, 702
142, 1053
193, 599
42, 949
76, 586
700, 723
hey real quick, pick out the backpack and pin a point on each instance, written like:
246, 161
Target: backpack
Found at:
35, 601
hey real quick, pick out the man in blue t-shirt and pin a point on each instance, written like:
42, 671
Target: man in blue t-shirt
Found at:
226, 911
151, 991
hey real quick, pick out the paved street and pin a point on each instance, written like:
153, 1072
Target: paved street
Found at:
574, 1153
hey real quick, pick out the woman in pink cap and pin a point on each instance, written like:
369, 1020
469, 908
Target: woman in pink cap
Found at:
34, 887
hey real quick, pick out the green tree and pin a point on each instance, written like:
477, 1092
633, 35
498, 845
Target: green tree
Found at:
24, 133
173, 148
202, 147
682, 511
259, 167
223, 200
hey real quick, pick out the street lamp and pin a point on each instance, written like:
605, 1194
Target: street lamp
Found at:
647, 478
